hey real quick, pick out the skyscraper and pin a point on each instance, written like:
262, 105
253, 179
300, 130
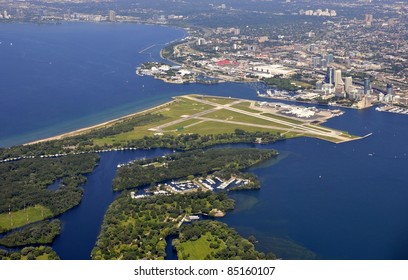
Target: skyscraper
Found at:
329, 75
323, 62
366, 85
316, 61
389, 88
337, 78
348, 83
329, 58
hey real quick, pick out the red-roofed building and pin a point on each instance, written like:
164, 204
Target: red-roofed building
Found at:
226, 62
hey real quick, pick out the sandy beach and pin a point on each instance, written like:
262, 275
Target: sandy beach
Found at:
101, 125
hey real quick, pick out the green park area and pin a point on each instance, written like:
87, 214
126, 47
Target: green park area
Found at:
22, 217
200, 248
211, 240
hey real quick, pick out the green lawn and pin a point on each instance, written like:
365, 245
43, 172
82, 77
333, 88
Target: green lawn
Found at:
199, 249
24, 217
184, 106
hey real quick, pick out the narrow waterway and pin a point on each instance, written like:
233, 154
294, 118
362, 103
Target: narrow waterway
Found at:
171, 253
81, 225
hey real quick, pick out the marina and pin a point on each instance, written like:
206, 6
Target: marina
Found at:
209, 183
393, 109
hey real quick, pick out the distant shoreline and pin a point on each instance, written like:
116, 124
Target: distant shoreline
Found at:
96, 126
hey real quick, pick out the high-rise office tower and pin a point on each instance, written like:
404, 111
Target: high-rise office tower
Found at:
329, 58
337, 78
329, 75
366, 85
348, 83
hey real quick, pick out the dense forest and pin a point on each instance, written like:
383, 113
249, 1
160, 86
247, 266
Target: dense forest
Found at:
24, 183
215, 240
179, 165
30, 253
40, 233
137, 228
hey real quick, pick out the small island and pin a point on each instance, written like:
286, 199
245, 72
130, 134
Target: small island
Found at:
188, 166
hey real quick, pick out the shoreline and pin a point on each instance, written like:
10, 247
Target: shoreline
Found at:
100, 125
113, 121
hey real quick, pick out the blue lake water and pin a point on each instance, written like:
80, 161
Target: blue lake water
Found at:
318, 199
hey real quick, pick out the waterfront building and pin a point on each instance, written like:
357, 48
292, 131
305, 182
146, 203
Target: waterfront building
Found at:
328, 89
348, 83
366, 85
389, 88
112, 15
338, 82
339, 91
5, 15
388, 98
